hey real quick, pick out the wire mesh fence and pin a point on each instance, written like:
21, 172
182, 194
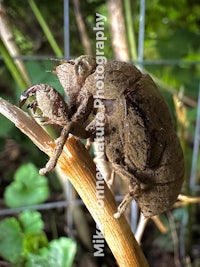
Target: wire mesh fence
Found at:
142, 64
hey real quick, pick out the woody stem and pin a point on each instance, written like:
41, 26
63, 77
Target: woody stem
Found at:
78, 166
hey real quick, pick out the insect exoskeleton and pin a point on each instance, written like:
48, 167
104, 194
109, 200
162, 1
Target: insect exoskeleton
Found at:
141, 144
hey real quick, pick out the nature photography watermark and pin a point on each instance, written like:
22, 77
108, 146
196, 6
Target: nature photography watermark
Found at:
98, 238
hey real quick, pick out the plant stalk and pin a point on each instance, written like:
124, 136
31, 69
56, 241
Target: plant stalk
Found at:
78, 166
45, 28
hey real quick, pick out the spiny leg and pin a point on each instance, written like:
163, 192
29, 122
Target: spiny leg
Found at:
72, 127
57, 151
134, 192
111, 179
123, 205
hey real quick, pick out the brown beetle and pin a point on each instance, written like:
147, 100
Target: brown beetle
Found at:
140, 141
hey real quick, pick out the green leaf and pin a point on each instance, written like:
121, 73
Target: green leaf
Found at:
28, 188
63, 250
32, 243
38, 260
12, 66
32, 226
60, 253
20, 238
11, 240
31, 222
45, 28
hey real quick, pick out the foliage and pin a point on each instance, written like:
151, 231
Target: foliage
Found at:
169, 33
23, 243
28, 187
59, 253
11, 239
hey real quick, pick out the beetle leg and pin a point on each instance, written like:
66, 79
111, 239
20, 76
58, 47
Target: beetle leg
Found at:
135, 191
57, 151
48, 122
123, 205
92, 126
33, 105
110, 180
26, 94
132, 194
91, 129
73, 128
84, 109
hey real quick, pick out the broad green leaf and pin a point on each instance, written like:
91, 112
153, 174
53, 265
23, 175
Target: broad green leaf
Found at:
32, 243
65, 248
19, 238
11, 240
60, 253
28, 188
31, 222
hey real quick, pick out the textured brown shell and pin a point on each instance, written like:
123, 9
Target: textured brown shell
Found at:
141, 143
143, 146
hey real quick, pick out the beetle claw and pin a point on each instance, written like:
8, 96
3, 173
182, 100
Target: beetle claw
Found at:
22, 101
33, 105
26, 94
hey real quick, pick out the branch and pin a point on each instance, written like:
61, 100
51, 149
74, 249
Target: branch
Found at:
77, 164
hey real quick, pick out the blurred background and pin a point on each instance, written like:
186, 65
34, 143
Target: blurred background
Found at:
40, 216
